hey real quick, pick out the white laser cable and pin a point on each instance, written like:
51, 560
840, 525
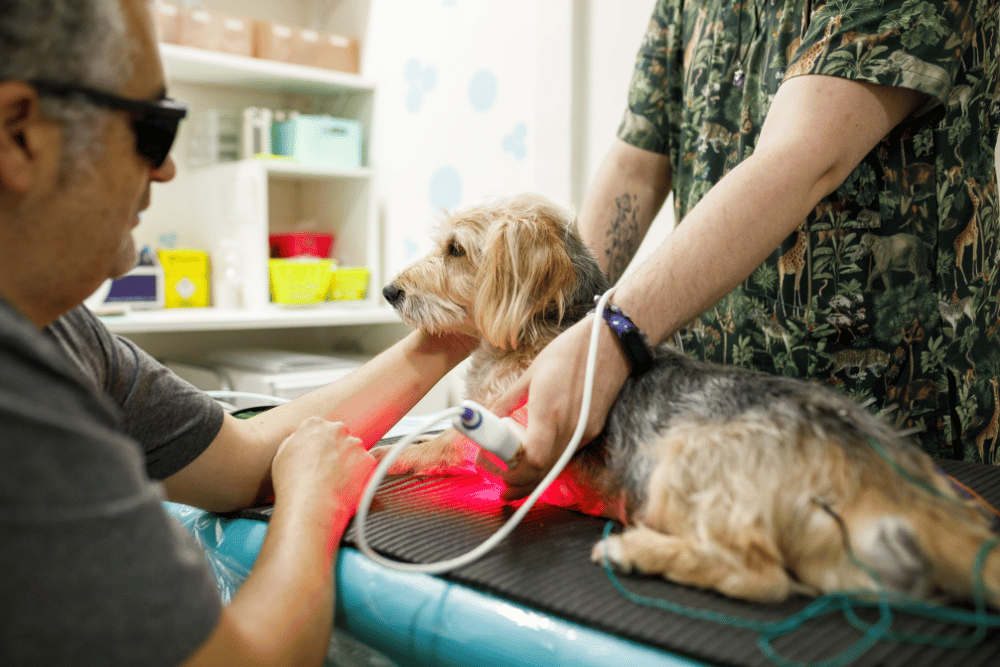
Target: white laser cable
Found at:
217, 394
508, 527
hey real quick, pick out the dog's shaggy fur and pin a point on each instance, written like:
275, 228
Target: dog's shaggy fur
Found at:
753, 485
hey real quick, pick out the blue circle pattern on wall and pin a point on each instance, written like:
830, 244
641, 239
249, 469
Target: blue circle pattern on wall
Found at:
483, 90
514, 142
410, 249
421, 80
446, 188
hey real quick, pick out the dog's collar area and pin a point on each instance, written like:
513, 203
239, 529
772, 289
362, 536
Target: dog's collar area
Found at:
631, 338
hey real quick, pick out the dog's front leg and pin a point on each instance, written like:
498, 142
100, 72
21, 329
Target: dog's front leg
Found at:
429, 454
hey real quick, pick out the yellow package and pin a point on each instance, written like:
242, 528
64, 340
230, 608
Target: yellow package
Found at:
348, 284
185, 277
298, 282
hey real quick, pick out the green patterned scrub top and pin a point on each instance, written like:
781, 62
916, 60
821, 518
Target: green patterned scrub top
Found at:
888, 289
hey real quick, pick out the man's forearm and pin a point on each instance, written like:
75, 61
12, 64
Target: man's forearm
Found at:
715, 248
285, 607
627, 193
374, 397
283, 613
817, 130
235, 471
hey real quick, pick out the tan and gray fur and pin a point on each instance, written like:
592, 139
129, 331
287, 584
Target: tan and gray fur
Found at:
753, 485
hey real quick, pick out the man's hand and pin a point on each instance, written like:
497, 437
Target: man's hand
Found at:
553, 386
320, 458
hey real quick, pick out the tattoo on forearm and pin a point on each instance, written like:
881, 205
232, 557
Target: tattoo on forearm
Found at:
622, 238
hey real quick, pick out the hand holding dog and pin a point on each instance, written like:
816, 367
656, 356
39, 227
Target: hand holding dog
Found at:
553, 387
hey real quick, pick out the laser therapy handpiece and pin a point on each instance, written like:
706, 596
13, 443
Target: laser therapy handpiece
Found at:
492, 433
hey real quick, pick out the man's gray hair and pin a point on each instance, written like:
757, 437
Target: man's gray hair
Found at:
83, 42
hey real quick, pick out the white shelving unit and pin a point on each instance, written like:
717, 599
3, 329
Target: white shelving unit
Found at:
184, 63
235, 319
241, 202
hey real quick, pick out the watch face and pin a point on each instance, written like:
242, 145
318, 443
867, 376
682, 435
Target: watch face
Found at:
619, 323
630, 338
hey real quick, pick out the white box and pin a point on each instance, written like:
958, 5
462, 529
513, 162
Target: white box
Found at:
277, 373
283, 374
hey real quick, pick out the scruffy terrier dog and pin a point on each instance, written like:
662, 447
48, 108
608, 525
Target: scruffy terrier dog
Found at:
753, 485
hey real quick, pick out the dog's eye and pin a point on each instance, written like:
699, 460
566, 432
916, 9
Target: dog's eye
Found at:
455, 250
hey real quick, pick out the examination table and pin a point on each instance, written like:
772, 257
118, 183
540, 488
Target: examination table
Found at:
538, 600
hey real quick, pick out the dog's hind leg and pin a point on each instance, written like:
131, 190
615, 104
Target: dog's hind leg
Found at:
953, 545
750, 574
866, 549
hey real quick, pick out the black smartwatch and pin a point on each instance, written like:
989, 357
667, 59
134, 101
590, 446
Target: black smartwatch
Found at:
631, 338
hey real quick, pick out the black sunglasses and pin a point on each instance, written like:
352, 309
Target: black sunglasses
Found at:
153, 122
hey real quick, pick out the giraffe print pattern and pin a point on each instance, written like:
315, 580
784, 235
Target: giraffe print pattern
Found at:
813, 56
902, 260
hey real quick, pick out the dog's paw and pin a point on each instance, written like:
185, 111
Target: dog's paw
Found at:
614, 549
426, 455
399, 467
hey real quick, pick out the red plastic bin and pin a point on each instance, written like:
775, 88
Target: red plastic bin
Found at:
296, 244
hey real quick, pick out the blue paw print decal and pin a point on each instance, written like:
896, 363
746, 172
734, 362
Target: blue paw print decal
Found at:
411, 249
446, 188
514, 142
421, 80
483, 90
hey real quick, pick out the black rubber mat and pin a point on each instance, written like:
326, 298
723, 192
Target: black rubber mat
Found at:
545, 565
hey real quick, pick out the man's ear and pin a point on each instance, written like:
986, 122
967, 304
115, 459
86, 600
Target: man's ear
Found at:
20, 135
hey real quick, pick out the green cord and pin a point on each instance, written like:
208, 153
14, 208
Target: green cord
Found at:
846, 603
905, 475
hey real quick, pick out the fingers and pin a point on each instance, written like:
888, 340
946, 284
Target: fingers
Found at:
554, 386
539, 451
321, 456
515, 396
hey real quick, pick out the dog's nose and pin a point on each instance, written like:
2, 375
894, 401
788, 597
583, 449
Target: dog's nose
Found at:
392, 293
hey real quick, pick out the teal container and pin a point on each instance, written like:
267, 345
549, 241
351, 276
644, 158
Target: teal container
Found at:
321, 141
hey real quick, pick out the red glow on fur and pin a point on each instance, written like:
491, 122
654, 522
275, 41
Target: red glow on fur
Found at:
472, 488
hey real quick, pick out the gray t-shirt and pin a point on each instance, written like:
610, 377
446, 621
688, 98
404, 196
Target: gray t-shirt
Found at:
94, 571
171, 420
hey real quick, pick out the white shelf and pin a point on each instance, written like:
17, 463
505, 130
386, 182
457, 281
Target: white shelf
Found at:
273, 317
240, 202
289, 169
191, 65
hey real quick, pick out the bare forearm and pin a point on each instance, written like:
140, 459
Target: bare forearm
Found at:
373, 398
627, 192
235, 471
817, 130
283, 613
717, 245
284, 610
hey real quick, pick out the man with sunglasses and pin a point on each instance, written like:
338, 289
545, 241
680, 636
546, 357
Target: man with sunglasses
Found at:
95, 572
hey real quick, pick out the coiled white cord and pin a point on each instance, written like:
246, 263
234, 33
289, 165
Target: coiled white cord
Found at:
508, 527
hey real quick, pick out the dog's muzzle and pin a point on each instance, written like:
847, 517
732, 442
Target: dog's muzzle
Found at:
393, 294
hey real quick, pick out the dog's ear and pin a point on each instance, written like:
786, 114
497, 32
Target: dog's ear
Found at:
525, 271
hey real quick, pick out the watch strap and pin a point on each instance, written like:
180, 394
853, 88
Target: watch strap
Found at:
632, 340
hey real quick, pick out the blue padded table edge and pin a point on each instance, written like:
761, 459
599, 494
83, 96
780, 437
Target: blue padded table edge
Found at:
420, 619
